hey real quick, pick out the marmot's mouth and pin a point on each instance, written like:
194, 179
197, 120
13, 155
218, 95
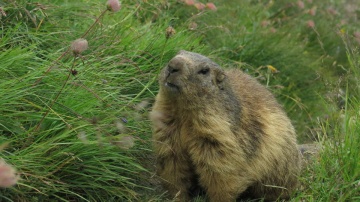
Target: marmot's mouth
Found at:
171, 86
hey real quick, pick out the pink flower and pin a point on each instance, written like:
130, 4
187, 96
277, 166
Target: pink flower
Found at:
343, 22
79, 45
357, 34
211, 6
8, 176
199, 6
113, 5
312, 11
300, 4
310, 23
265, 23
189, 2
331, 11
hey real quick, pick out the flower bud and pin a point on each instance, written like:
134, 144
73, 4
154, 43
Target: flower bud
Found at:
113, 5
312, 11
310, 24
2, 12
8, 176
189, 2
211, 6
199, 6
170, 31
300, 4
193, 26
357, 34
79, 45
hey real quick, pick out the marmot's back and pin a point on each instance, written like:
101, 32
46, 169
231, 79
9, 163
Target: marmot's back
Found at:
221, 131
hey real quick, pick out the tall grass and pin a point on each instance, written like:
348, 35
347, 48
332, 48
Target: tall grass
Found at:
335, 173
67, 121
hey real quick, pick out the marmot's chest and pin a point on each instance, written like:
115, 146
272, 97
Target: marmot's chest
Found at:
186, 132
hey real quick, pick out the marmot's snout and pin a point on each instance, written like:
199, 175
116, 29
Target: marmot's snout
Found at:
175, 70
176, 66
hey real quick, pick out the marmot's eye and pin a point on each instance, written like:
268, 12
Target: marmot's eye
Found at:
204, 71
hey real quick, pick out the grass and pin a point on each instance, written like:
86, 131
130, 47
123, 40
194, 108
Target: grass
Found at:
335, 173
335, 176
69, 134
61, 129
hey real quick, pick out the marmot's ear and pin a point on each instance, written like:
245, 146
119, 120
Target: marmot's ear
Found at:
220, 77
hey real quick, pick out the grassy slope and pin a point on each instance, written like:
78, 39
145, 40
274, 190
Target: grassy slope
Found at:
118, 71
335, 176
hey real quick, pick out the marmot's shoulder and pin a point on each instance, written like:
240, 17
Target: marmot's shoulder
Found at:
248, 89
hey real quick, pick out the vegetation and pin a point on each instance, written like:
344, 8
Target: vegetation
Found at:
74, 121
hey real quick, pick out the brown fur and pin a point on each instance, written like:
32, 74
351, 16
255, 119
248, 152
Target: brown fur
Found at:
221, 131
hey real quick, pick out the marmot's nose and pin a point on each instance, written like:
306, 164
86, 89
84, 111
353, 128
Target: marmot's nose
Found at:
176, 65
172, 69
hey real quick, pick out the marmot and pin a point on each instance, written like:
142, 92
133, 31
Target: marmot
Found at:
222, 132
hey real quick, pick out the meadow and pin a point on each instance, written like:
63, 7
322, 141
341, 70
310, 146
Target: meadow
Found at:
78, 78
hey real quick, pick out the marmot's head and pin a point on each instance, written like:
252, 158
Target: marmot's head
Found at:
190, 75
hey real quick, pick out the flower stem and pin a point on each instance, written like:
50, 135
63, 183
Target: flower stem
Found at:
68, 49
56, 97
